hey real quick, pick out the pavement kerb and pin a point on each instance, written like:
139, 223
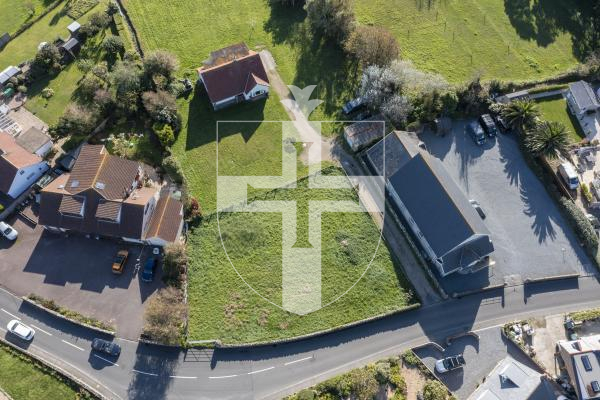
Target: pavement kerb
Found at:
59, 370
458, 295
6, 395
58, 315
432, 344
552, 278
218, 344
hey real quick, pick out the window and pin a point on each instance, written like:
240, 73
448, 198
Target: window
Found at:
586, 363
21, 172
595, 386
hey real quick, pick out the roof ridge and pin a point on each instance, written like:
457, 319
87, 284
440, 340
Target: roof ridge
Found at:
251, 53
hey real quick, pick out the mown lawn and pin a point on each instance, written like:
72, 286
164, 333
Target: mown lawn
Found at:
458, 38
223, 307
555, 109
24, 381
16, 12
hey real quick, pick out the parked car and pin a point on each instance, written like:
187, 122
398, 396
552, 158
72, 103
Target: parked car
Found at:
119, 262
449, 363
477, 208
21, 330
501, 123
352, 105
8, 231
488, 125
104, 346
149, 268
476, 132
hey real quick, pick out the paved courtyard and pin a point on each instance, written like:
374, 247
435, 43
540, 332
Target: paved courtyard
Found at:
481, 357
76, 273
531, 237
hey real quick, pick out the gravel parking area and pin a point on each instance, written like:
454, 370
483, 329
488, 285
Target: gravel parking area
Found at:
76, 273
481, 356
531, 237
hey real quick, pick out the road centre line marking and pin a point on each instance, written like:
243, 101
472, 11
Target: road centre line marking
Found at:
40, 329
104, 359
297, 361
71, 344
183, 377
260, 370
144, 373
12, 315
222, 377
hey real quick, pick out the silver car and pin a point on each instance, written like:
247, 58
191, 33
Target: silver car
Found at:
21, 330
8, 231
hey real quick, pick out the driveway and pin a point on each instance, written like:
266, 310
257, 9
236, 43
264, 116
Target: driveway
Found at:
481, 357
76, 273
531, 237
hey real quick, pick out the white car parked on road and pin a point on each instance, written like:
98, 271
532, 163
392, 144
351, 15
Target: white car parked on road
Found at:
20, 329
8, 231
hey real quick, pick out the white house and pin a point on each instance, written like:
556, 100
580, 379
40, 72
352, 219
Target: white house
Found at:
233, 75
19, 169
584, 105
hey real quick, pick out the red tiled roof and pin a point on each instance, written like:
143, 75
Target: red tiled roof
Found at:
234, 77
12, 158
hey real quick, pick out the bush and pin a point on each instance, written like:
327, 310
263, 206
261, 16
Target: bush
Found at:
372, 46
547, 88
583, 227
397, 380
112, 8
164, 133
334, 19
113, 45
382, 372
47, 93
161, 62
47, 59
161, 106
74, 315
164, 316
175, 260
410, 358
76, 120
173, 169
585, 191
434, 390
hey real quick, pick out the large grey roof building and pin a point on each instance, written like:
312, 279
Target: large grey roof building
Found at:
444, 222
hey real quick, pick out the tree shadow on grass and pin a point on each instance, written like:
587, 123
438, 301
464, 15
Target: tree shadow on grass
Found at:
203, 120
544, 20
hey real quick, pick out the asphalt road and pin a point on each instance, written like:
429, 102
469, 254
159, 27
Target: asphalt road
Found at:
153, 372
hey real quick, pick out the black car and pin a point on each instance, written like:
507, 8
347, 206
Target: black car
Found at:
149, 268
488, 124
107, 347
353, 105
476, 132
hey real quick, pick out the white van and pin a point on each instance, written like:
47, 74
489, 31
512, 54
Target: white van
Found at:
569, 175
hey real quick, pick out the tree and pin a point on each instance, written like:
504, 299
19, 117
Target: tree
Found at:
434, 390
88, 87
85, 65
47, 58
161, 105
548, 138
397, 109
377, 85
112, 8
164, 133
175, 260
164, 316
75, 120
161, 62
363, 384
113, 45
334, 19
520, 114
372, 45
125, 78
99, 20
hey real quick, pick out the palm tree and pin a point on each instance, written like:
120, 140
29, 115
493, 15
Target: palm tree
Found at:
520, 114
548, 138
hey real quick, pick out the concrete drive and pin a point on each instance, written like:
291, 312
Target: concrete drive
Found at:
531, 237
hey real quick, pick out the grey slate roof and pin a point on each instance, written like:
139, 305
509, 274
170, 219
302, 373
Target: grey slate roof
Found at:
71, 45
443, 214
32, 140
399, 149
584, 95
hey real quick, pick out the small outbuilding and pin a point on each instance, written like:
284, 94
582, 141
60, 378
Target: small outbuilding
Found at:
70, 48
8, 73
4, 39
35, 141
362, 134
73, 28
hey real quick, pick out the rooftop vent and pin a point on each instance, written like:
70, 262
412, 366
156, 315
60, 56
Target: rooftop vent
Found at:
75, 184
100, 186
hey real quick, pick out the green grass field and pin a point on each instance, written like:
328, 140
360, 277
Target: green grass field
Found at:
458, 38
24, 381
223, 307
16, 12
555, 109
